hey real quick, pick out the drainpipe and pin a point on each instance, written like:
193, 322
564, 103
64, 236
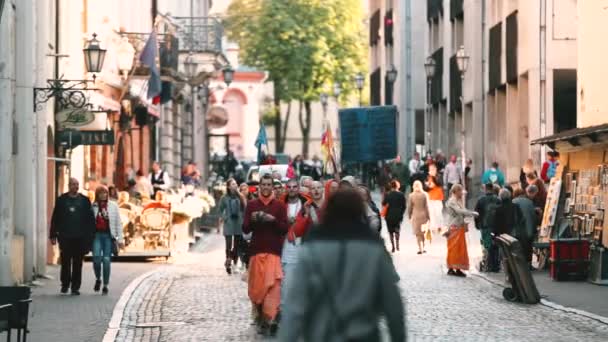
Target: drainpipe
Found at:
409, 107
484, 129
542, 73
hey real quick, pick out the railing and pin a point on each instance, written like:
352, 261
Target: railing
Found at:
199, 34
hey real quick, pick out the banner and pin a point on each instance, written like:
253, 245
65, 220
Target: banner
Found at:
368, 133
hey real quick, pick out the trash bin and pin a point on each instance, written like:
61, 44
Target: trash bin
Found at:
523, 289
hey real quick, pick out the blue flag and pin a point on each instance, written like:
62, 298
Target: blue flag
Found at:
148, 58
261, 142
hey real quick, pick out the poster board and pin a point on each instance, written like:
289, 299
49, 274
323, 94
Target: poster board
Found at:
368, 133
550, 212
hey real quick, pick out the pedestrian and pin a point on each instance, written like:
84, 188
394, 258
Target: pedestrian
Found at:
540, 198
266, 219
330, 298
467, 176
549, 168
311, 213
305, 184
108, 236
348, 182
452, 174
294, 202
401, 172
232, 209
508, 217
493, 175
486, 207
277, 188
532, 193
531, 220
331, 186
372, 213
159, 178
298, 166
73, 226
415, 164
440, 161
458, 256
418, 213
395, 200
435, 193
113, 193
528, 167
245, 192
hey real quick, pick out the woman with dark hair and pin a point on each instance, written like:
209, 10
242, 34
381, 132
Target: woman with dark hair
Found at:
113, 193
232, 209
330, 299
395, 202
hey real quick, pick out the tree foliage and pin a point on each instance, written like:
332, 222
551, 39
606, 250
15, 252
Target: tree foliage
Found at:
304, 45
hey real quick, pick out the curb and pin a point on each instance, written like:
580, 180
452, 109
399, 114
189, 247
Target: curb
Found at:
548, 303
119, 308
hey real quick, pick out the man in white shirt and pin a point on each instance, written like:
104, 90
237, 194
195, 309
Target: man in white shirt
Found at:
452, 174
159, 179
415, 164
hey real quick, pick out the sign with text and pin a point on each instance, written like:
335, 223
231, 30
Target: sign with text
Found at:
368, 133
74, 138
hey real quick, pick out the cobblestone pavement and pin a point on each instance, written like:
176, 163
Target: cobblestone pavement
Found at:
88, 314
197, 301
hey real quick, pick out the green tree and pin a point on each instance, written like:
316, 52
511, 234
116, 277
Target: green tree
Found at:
304, 45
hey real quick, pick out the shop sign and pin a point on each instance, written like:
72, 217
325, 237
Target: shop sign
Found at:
368, 133
74, 138
81, 119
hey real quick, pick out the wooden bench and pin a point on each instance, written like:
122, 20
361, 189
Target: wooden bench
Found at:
19, 298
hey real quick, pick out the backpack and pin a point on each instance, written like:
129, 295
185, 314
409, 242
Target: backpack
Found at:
552, 170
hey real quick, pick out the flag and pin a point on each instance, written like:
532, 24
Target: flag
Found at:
261, 143
148, 57
328, 150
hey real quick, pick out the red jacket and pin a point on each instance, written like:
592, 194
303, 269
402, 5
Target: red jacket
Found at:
303, 223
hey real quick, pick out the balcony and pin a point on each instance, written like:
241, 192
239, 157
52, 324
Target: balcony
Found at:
199, 34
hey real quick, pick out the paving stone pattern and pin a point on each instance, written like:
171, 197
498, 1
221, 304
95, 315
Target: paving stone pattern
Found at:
209, 305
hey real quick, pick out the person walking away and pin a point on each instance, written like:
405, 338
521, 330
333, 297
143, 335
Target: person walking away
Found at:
395, 200
401, 172
232, 209
311, 213
294, 202
73, 226
508, 216
435, 193
528, 167
159, 179
418, 213
531, 221
266, 220
486, 208
549, 168
540, 199
372, 213
493, 175
108, 230
329, 298
458, 256
452, 174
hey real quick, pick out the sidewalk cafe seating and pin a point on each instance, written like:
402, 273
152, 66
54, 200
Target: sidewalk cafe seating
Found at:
523, 289
156, 224
19, 297
5, 311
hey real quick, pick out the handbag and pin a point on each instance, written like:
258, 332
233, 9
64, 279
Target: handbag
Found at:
115, 247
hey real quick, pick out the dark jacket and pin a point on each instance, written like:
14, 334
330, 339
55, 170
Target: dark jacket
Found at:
396, 207
72, 218
508, 218
531, 219
485, 207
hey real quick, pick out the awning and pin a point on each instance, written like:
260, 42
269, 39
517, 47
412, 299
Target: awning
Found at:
575, 137
98, 99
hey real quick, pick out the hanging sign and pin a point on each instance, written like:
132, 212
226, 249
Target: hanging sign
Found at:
81, 119
73, 138
368, 133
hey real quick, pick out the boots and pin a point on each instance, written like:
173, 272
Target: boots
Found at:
397, 240
392, 242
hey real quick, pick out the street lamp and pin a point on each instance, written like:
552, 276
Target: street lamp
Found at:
462, 61
337, 90
125, 55
190, 66
429, 68
228, 74
324, 98
360, 83
94, 56
391, 77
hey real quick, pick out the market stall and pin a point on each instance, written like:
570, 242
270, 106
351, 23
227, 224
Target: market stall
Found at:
574, 222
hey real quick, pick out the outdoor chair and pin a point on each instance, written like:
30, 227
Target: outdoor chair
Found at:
20, 298
5, 311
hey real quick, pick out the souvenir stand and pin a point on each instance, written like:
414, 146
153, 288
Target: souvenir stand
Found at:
575, 224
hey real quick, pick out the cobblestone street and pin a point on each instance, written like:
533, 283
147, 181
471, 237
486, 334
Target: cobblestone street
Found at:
195, 300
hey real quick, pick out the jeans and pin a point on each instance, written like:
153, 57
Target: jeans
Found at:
233, 244
72, 255
102, 255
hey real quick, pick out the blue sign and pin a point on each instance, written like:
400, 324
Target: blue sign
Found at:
368, 133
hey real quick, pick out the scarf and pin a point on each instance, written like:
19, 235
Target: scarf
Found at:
266, 200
